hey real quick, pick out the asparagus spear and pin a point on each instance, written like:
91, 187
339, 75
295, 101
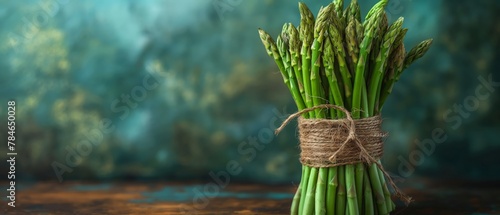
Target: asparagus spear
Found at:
380, 65
360, 170
353, 181
399, 39
352, 44
353, 15
311, 189
319, 36
306, 35
414, 54
360, 166
341, 192
377, 189
329, 61
303, 186
365, 48
294, 74
352, 200
295, 203
295, 45
417, 52
320, 203
272, 50
359, 92
387, 194
353, 11
339, 7
376, 44
331, 99
398, 58
283, 50
360, 31
397, 44
331, 192
368, 206
359, 85
374, 10
336, 39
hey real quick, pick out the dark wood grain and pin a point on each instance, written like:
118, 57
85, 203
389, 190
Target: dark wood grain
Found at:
446, 197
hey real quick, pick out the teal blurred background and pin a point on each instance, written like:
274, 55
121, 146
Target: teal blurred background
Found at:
172, 90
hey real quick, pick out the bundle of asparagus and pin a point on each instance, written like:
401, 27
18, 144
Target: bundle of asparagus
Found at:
341, 60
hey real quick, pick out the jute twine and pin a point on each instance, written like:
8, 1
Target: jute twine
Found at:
330, 143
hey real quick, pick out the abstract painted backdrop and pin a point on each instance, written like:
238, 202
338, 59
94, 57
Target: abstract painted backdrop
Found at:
170, 90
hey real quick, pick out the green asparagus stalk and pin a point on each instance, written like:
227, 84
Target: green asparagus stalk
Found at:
353, 11
360, 170
352, 200
331, 192
368, 206
306, 34
272, 50
377, 189
374, 10
283, 50
295, 203
398, 53
319, 36
339, 7
295, 45
352, 44
336, 39
380, 65
321, 187
360, 31
360, 85
413, 55
303, 186
417, 52
399, 39
364, 100
319, 33
329, 62
311, 189
340, 204
387, 194
333, 113
352, 16
397, 58
359, 93
360, 166
376, 45
365, 48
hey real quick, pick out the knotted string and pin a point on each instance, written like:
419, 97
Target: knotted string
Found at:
352, 136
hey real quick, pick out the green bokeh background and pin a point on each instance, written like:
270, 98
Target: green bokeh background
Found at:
200, 88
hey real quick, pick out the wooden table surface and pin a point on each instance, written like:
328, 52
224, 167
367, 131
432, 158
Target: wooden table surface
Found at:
177, 198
